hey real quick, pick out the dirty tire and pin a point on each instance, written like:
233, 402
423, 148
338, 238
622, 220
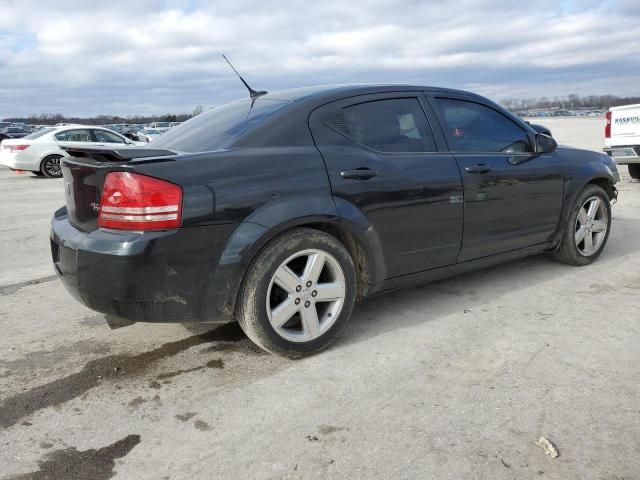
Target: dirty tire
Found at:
568, 251
252, 312
50, 166
634, 170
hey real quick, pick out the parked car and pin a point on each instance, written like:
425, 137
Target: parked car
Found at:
283, 210
149, 134
41, 151
132, 132
161, 126
13, 132
622, 137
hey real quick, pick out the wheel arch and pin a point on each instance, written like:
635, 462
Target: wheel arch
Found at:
588, 175
251, 237
606, 184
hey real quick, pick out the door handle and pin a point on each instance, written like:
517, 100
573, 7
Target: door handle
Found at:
359, 174
482, 168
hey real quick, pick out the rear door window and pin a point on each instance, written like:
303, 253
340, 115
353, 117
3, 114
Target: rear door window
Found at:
472, 127
396, 125
80, 135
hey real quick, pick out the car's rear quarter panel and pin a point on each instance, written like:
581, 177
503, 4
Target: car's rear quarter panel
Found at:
253, 194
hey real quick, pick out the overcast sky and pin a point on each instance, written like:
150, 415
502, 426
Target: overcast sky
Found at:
142, 56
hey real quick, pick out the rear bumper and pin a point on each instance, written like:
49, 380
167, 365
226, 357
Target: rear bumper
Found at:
163, 276
624, 155
18, 161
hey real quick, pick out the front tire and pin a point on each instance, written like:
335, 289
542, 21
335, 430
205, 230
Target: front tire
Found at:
298, 294
634, 170
51, 166
587, 230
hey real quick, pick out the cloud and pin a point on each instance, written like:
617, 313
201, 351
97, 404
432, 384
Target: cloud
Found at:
81, 57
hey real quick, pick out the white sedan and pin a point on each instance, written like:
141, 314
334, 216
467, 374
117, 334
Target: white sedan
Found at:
40, 152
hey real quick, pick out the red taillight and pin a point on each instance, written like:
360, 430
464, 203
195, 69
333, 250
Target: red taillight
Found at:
607, 128
131, 201
17, 148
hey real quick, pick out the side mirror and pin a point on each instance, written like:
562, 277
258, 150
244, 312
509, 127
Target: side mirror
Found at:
545, 143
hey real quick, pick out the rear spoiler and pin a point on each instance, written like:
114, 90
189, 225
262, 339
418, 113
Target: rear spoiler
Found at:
117, 155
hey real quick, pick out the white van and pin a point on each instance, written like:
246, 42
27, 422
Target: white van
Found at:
622, 137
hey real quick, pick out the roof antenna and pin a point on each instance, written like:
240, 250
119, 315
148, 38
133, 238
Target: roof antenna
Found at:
252, 93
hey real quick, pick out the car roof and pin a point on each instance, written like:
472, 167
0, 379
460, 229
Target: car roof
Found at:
346, 90
75, 127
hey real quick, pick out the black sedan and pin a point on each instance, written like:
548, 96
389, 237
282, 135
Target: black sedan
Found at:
13, 132
281, 211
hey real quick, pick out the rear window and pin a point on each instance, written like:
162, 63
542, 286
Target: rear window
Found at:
39, 133
217, 128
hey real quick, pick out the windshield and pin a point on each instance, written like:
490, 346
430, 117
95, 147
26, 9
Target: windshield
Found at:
151, 131
39, 133
217, 128
162, 124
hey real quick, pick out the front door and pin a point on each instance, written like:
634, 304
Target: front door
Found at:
512, 197
383, 160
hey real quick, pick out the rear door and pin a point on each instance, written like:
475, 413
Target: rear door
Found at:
77, 137
383, 158
512, 197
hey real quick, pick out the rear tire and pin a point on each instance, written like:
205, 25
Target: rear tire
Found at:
298, 294
634, 170
587, 230
50, 166
38, 174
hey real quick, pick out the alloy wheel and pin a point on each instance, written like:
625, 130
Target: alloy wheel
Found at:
306, 295
53, 166
591, 226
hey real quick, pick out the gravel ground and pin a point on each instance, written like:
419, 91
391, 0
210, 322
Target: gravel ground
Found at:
453, 380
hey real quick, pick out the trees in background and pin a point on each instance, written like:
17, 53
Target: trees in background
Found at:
53, 118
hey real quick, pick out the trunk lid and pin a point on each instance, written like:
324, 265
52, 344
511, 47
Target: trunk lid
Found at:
84, 173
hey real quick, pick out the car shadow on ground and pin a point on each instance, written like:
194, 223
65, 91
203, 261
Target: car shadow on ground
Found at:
387, 312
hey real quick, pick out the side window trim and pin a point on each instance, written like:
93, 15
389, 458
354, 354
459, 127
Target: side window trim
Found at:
434, 122
433, 102
358, 100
